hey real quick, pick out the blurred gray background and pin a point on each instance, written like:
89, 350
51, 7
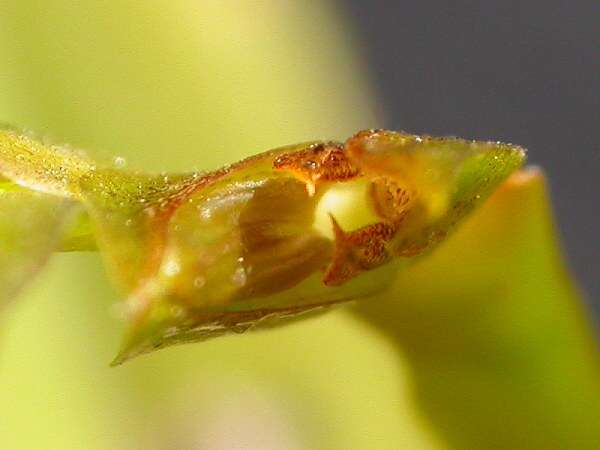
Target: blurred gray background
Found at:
519, 71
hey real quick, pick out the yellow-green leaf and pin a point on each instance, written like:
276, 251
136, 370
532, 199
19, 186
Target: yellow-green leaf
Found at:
499, 346
31, 228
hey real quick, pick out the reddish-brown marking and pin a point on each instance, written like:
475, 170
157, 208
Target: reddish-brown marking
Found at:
365, 248
318, 163
357, 251
390, 200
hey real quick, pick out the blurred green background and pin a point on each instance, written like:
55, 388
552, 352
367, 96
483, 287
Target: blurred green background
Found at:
174, 86
183, 85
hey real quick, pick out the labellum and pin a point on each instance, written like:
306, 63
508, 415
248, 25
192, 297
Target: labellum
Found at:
285, 232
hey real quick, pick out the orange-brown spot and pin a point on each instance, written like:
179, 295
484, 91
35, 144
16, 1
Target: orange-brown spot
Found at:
357, 251
390, 200
322, 162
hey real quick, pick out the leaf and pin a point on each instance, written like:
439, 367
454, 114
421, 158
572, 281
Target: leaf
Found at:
31, 228
268, 237
500, 347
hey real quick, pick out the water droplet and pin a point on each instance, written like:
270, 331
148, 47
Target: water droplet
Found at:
205, 213
119, 162
239, 277
172, 268
128, 222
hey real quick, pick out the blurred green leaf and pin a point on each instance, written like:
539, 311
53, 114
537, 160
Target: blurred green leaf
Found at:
31, 228
500, 348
